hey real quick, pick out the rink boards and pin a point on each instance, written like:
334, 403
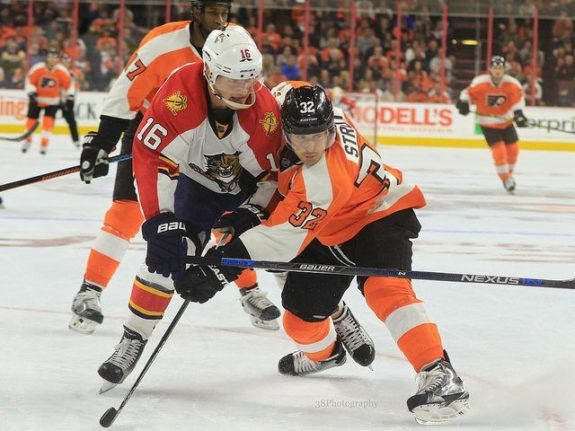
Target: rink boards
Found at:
387, 123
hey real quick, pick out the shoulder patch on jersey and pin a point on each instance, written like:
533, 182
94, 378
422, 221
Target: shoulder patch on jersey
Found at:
176, 102
269, 123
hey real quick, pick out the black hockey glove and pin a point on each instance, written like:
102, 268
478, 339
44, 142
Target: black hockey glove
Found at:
201, 283
520, 119
167, 246
462, 107
33, 98
241, 219
93, 160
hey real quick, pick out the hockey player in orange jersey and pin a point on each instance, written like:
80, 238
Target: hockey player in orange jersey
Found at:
499, 101
47, 84
161, 51
342, 205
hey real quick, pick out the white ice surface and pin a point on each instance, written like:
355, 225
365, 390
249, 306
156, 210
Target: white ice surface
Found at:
513, 346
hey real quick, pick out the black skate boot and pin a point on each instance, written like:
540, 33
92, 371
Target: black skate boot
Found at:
298, 364
263, 313
354, 337
440, 395
87, 309
119, 366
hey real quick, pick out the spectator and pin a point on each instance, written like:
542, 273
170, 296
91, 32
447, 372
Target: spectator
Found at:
290, 69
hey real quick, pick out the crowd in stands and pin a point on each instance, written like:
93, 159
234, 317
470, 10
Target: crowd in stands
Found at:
403, 66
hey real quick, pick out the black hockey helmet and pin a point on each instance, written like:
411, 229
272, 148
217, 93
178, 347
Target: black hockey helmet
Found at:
497, 60
204, 3
306, 111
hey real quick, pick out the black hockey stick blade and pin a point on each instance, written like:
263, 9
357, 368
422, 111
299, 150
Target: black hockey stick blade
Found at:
56, 174
22, 136
382, 272
108, 417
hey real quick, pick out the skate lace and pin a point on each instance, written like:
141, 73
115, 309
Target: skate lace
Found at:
257, 299
302, 364
87, 300
351, 333
431, 381
126, 353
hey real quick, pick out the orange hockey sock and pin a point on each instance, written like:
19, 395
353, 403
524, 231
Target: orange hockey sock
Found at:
512, 154
315, 339
47, 126
406, 317
121, 223
499, 154
247, 279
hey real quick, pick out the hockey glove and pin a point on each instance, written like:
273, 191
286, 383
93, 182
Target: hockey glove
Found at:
167, 246
93, 160
462, 107
201, 283
241, 219
520, 119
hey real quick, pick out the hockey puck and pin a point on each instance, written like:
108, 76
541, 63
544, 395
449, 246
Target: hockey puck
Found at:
108, 418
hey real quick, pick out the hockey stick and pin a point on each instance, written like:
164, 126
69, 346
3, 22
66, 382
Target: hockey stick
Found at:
381, 272
111, 414
56, 174
22, 136
529, 125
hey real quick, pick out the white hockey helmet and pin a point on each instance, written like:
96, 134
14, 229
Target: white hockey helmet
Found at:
232, 53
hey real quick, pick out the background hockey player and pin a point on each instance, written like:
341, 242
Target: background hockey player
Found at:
69, 102
341, 204
499, 101
47, 84
162, 50
206, 145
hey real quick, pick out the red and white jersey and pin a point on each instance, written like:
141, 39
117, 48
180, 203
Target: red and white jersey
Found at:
161, 51
175, 138
332, 200
51, 85
495, 104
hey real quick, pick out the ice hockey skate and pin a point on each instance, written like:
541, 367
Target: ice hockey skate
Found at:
509, 185
354, 337
298, 364
263, 313
26, 146
125, 357
440, 395
87, 309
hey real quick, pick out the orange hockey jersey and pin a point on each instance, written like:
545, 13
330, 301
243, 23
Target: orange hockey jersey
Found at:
161, 51
51, 85
332, 200
495, 104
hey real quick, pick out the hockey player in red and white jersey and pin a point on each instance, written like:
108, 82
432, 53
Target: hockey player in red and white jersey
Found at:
341, 205
208, 144
162, 50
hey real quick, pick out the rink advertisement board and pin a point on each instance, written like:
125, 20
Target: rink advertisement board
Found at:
386, 122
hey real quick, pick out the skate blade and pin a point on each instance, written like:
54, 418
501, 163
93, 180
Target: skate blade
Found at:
439, 414
270, 325
106, 386
82, 325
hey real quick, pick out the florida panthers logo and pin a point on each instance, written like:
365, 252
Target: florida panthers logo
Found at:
223, 169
